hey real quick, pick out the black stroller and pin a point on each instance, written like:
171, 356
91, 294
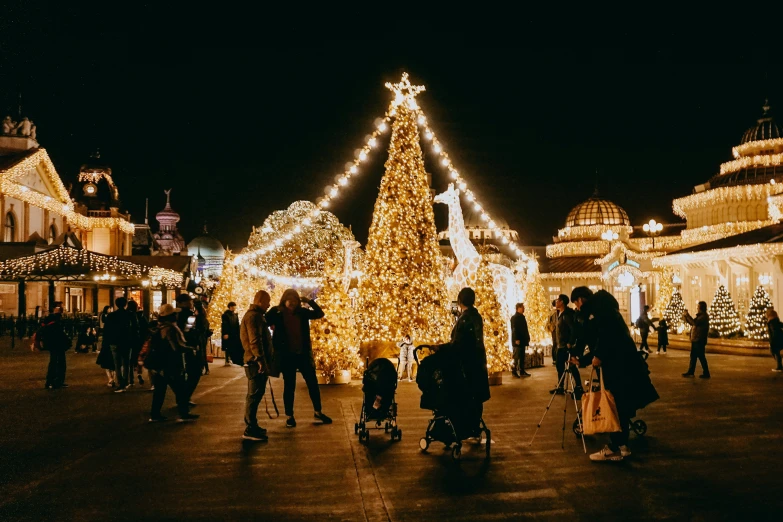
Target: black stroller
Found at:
379, 384
456, 415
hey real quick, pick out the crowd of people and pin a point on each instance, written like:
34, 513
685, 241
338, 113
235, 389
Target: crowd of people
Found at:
271, 341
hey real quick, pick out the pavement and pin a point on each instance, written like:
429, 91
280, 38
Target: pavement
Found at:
712, 452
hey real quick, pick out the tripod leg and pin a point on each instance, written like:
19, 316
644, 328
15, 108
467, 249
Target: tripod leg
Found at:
581, 428
559, 384
569, 391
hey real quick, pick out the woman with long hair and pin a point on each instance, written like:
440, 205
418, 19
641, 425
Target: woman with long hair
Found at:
290, 323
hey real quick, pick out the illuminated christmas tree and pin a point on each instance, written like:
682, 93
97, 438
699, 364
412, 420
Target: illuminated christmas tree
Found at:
495, 324
335, 338
538, 308
665, 292
674, 311
723, 314
403, 288
756, 320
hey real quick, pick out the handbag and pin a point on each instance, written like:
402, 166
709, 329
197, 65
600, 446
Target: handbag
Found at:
599, 411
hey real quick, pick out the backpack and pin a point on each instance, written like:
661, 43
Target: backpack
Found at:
37, 344
150, 356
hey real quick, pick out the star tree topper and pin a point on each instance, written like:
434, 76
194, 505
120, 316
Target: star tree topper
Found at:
405, 92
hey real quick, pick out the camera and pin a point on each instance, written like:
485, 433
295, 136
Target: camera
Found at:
454, 309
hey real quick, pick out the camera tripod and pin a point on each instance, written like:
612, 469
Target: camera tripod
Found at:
567, 384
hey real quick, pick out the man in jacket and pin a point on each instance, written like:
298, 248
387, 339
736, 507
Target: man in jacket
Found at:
186, 321
565, 335
775, 329
118, 334
56, 342
290, 322
644, 324
700, 326
229, 328
520, 338
257, 343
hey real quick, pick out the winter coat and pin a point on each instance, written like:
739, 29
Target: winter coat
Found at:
644, 324
256, 340
466, 349
54, 337
519, 331
121, 328
701, 326
274, 317
663, 333
626, 374
775, 328
566, 328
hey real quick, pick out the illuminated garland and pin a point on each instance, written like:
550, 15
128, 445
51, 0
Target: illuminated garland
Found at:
619, 248
616, 271
721, 195
578, 248
65, 256
742, 150
767, 160
571, 275
775, 207
590, 231
662, 243
716, 254
709, 233
63, 207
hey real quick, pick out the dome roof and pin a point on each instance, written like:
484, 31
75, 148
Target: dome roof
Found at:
765, 128
167, 216
206, 246
597, 211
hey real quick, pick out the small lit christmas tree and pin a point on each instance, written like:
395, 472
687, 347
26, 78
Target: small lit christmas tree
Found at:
495, 324
537, 308
723, 314
674, 310
665, 292
756, 320
335, 338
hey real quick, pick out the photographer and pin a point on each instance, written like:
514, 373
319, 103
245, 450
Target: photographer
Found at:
700, 326
565, 335
186, 321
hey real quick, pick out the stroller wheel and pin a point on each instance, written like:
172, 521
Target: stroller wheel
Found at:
577, 428
424, 443
356, 428
456, 453
640, 427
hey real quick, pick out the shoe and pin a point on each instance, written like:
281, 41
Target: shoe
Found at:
192, 404
559, 391
48, 387
227, 364
152, 388
159, 418
515, 374
190, 417
704, 376
110, 384
778, 370
130, 385
120, 390
657, 353
606, 454
255, 433
410, 380
687, 374
290, 422
625, 451
525, 374
323, 418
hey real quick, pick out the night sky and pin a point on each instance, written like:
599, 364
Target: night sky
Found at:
240, 131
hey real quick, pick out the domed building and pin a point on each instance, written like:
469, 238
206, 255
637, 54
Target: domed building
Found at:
734, 236
597, 248
168, 240
210, 254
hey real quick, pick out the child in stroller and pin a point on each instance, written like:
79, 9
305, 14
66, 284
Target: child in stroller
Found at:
379, 384
456, 413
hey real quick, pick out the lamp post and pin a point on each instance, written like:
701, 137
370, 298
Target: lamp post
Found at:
652, 228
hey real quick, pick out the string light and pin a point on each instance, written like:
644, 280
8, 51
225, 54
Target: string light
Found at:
591, 231
753, 146
723, 195
707, 233
767, 160
578, 248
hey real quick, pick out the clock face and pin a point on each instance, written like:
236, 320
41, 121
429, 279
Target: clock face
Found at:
90, 189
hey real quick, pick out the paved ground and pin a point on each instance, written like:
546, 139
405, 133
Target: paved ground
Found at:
712, 452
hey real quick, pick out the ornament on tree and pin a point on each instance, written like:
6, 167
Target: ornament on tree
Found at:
756, 320
723, 314
403, 289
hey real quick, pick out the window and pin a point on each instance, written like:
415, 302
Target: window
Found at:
9, 234
52, 233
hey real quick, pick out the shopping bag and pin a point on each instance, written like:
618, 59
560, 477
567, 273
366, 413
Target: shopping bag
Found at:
599, 412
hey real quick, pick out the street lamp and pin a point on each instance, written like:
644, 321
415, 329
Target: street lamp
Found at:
653, 228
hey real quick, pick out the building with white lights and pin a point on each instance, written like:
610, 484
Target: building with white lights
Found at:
209, 253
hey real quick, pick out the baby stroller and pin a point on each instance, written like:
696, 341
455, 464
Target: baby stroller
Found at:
456, 415
379, 384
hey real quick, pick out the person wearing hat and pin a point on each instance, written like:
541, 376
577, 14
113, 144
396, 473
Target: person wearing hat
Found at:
186, 321
165, 360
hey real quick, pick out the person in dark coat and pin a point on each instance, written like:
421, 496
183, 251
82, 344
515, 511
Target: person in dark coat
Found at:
187, 324
204, 333
520, 339
700, 326
229, 328
644, 324
139, 334
775, 329
56, 342
257, 343
565, 336
119, 334
290, 323
625, 374
663, 335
